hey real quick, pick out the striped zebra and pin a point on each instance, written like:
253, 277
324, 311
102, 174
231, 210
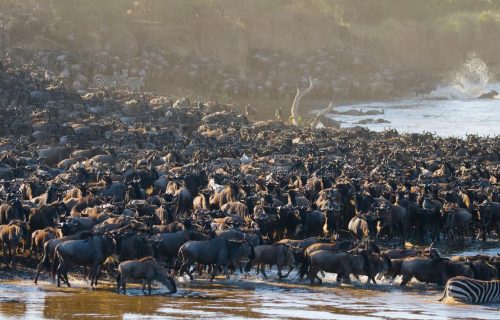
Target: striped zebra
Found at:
107, 82
468, 290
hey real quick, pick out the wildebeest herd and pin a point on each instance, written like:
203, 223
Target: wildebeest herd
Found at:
143, 187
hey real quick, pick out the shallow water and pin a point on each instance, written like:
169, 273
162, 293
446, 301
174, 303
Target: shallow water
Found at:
241, 297
443, 111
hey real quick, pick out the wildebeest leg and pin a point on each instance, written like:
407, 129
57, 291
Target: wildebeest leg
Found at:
214, 272
263, 271
86, 275
149, 287
406, 279
97, 274
65, 276
13, 252
288, 273
302, 270
190, 273
4, 255
118, 282
279, 272
185, 268
144, 281
226, 272
339, 277
347, 278
199, 267
96, 269
123, 283
39, 269
59, 272
33, 249
55, 264
312, 274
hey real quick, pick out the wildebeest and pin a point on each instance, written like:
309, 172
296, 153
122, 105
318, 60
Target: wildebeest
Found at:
11, 211
279, 255
362, 228
345, 264
145, 269
132, 246
218, 252
48, 251
47, 216
92, 252
333, 247
39, 237
489, 217
437, 270
168, 244
11, 235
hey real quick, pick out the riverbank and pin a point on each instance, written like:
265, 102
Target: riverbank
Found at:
242, 297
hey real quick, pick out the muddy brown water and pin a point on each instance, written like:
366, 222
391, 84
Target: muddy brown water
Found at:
241, 297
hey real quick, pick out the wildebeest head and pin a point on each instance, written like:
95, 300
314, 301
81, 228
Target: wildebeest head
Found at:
70, 227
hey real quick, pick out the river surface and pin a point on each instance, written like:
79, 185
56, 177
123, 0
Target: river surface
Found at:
242, 297
445, 111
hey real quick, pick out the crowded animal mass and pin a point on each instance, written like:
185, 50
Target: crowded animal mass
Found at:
109, 189
136, 186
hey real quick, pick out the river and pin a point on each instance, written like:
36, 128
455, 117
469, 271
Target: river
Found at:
443, 111
242, 297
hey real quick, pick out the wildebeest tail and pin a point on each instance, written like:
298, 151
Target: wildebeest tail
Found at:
178, 262
55, 263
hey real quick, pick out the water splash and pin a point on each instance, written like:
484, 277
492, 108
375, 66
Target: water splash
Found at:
473, 76
468, 81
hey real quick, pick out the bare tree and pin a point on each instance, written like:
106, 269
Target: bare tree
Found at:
295, 106
330, 107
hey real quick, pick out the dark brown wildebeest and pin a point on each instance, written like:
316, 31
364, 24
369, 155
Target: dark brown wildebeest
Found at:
48, 251
437, 270
92, 252
218, 252
145, 269
279, 255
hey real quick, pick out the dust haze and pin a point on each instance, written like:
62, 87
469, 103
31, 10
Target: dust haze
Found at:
249, 50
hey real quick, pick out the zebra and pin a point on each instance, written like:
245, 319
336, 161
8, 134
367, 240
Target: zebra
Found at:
468, 290
108, 82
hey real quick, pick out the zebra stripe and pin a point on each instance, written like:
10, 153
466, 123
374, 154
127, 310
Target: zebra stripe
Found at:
468, 290
103, 81
108, 82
